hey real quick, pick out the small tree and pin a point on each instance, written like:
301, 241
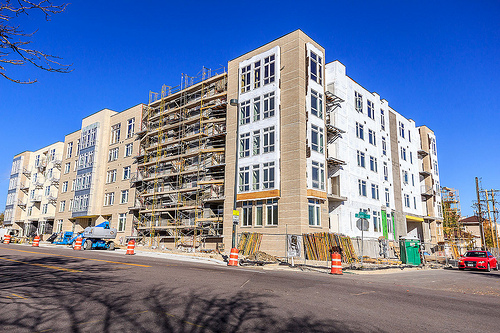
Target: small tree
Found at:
15, 43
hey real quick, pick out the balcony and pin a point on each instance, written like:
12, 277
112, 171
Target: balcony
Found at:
422, 153
36, 198
38, 185
427, 191
335, 196
25, 188
27, 172
21, 203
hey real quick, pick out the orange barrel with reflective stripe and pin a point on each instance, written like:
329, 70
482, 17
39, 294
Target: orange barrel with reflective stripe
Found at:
233, 257
336, 264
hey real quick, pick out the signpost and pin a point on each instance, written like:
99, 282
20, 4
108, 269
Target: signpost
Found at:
362, 225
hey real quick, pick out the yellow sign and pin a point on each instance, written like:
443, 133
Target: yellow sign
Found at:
236, 213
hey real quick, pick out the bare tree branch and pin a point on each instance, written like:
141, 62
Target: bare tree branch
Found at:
15, 43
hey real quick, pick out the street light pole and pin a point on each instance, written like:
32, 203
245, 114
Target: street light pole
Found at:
234, 102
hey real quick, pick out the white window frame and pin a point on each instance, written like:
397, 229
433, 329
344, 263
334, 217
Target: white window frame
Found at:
244, 145
244, 112
268, 178
122, 222
314, 212
129, 148
360, 134
269, 141
269, 69
269, 105
244, 179
124, 197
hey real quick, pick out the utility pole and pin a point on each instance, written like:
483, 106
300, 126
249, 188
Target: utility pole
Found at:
495, 217
489, 218
480, 216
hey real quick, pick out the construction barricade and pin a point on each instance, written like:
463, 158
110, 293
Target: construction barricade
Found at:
36, 241
6, 239
336, 264
233, 257
78, 244
131, 247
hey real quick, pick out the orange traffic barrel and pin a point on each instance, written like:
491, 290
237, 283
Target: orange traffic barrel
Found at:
36, 241
6, 240
130, 247
336, 264
78, 244
233, 257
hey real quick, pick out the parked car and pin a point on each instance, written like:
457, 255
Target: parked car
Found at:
478, 260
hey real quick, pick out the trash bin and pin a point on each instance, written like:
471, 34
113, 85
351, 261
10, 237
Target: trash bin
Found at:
410, 254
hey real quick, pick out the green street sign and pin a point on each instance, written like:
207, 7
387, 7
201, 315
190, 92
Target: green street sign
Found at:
362, 215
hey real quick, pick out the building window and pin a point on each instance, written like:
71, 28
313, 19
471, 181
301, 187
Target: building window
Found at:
412, 180
316, 68
362, 187
113, 154
256, 109
73, 185
52, 155
371, 137
360, 131
245, 78
361, 159
246, 219
433, 146
64, 187
256, 74
259, 213
255, 177
370, 109
111, 176
245, 145
382, 120
269, 72
59, 226
245, 113
67, 167
403, 153
375, 192
384, 146
268, 170
317, 139
109, 199
122, 220
386, 171
317, 104
314, 212
244, 179
414, 203
62, 206
407, 200
373, 164
69, 150
358, 101
376, 222
45, 208
272, 212
387, 197
318, 175
130, 127
436, 168
402, 129
128, 149
268, 145
126, 172
256, 143
115, 133
405, 177
70, 208
269, 105
124, 198
30, 211
77, 147
47, 191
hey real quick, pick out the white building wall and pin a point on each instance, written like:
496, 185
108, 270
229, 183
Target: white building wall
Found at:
346, 148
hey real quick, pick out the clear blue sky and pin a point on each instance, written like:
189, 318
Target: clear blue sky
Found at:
437, 62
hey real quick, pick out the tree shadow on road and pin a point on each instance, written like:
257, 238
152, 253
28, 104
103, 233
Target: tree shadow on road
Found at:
100, 298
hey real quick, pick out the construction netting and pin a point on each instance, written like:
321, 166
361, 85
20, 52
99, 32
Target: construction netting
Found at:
320, 246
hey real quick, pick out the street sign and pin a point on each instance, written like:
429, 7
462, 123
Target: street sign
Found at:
236, 213
362, 215
362, 224
236, 219
294, 246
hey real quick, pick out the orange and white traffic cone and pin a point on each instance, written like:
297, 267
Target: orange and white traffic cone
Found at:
6, 240
36, 241
336, 264
130, 247
78, 244
233, 257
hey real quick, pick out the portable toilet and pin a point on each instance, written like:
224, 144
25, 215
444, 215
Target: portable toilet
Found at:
410, 251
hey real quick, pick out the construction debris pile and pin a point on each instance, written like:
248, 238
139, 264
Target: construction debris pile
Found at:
249, 243
262, 257
320, 246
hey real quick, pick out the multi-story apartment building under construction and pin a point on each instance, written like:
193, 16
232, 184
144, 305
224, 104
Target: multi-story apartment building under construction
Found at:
181, 162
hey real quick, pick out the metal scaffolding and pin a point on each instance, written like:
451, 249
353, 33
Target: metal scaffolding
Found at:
181, 162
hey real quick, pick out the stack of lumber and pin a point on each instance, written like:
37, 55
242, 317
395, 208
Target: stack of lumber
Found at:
249, 243
320, 246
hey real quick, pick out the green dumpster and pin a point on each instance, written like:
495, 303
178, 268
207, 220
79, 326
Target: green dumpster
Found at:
410, 253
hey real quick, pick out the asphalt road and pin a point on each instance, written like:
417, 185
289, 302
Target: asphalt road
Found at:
60, 290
